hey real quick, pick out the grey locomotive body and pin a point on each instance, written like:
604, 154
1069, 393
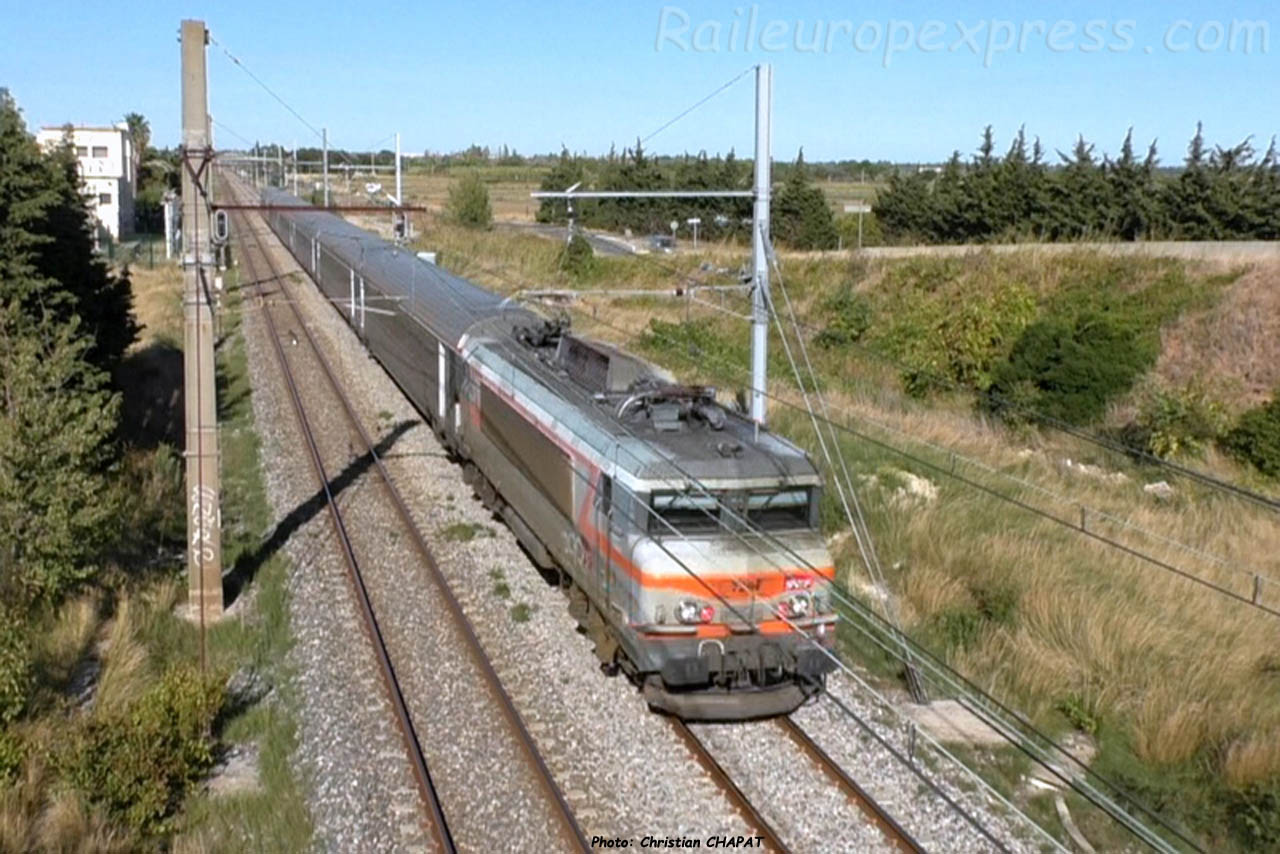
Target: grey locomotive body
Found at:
686, 538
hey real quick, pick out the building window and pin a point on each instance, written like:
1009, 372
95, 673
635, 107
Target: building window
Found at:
82, 151
104, 198
99, 151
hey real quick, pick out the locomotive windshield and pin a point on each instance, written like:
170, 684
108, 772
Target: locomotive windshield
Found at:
783, 510
689, 514
767, 510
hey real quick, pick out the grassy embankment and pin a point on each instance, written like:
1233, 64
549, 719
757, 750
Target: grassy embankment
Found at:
1175, 684
113, 748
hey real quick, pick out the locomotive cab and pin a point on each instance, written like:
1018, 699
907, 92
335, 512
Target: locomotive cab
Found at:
734, 610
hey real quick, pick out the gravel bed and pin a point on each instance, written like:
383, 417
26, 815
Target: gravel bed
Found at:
920, 811
491, 797
344, 717
802, 804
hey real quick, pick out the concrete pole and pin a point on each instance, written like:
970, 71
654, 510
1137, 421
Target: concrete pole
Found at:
280, 163
168, 227
324, 160
204, 546
759, 234
399, 187
295, 168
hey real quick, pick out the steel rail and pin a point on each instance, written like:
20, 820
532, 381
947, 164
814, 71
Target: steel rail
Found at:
736, 796
438, 826
894, 832
570, 825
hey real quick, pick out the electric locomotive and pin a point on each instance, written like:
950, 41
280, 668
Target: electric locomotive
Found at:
686, 536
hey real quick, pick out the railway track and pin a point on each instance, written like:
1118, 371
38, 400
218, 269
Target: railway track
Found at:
894, 834
257, 260
736, 796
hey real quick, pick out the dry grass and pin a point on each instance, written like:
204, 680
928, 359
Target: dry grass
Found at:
36, 817
124, 675
61, 646
157, 302
509, 199
1236, 342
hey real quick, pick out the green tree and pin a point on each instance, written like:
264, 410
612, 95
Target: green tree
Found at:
468, 203
908, 211
566, 172
1189, 199
1081, 202
140, 131
1133, 193
801, 217
57, 420
47, 262
64, 320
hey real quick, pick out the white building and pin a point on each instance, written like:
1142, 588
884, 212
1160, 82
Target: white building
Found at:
108, 167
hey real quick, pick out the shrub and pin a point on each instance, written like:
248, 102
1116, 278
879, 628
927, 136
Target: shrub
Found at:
12, 753
1071, 368
468, 203
1078, 713
849, 318
1253, 815
958, 627
138, 764
16, 667
944, 335
577, 257
1179, 421
1256, 438
997, 603
847, 227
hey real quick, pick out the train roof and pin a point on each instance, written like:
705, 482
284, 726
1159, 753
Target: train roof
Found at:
636, 417
631, 412
445, 303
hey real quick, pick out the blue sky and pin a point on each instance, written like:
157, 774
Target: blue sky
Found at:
905, 81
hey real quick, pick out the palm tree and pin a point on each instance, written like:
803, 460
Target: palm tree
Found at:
140, 130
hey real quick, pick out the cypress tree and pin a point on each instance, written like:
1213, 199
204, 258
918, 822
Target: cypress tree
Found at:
567, 172
1188, 200
57, 417
1080, 201
1132, 203
801, 217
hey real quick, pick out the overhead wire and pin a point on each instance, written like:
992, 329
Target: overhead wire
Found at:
651, 514
1087, 511
1041, 417
1069, 524
280, 100
743, 73
1034, 745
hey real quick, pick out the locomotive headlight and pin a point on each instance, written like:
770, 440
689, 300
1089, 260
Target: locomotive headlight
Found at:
797, 607
687, 611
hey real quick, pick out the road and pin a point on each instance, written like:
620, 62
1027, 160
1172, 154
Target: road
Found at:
602, 244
